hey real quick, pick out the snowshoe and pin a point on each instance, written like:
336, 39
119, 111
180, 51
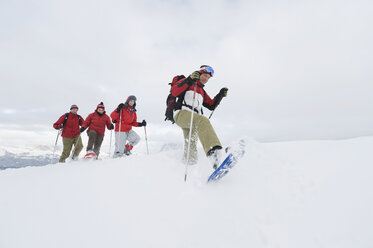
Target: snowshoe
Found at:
90, 155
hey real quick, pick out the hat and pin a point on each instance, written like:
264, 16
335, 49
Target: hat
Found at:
100, 105
131, 97
74, 106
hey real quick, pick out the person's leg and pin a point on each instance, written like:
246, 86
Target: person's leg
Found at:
206, 134
116, 143
209, 140
120, 142
133, 139
182, 119
78, 146
98, 144
193, 154
92, 135
67, 145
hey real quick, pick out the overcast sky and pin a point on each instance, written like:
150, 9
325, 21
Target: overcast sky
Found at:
294, 69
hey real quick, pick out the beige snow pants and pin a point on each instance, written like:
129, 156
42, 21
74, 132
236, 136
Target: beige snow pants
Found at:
201, 129
68, 145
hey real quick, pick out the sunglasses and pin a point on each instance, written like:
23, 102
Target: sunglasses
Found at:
208, 70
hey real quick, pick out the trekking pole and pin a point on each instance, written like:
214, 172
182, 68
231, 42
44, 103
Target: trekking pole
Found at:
77, 141
111, 135
190, 131
120, 119
215, 107
120, 123
55, 145
211, 113
146, 139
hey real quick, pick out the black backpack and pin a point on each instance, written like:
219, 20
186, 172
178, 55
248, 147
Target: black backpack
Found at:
174, 103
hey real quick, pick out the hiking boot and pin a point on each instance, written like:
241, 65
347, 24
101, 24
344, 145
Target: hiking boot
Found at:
127, 149
117, 155
214, 155
127, 152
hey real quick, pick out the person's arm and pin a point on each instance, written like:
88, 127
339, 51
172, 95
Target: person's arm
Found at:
208, 102
185, 83
87, 121
135, 123
211, 104
115, 116
58, 124
109, 125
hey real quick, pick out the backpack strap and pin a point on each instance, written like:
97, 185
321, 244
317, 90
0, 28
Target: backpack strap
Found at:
188, 106
64, 121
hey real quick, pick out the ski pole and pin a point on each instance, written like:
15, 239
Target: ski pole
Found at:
120, 124
146, 139
77, 141
55, 145
217, 104
211, 114
111, 135
190, 131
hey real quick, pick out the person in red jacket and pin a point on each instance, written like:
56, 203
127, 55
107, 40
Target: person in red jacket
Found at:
124, 117
96, 122
70, 123
201, 126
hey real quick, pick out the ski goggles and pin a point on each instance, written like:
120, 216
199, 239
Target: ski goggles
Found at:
208, 69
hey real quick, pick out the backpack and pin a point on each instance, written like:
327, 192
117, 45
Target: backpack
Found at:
174, 103
67, 116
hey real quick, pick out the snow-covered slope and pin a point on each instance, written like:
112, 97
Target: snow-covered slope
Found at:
288, 194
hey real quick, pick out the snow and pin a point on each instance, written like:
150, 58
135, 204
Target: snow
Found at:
285, 194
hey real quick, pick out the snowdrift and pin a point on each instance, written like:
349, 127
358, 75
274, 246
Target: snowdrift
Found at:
288, 194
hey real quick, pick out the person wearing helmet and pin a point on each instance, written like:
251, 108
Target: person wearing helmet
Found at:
201, 126
96, 123
70, 123
124, 117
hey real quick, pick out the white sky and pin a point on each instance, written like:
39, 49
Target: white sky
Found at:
294, 69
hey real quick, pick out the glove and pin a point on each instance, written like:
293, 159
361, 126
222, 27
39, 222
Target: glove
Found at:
120, 106
142, 124
115, 121
57, 127
111, 127
192, 78
223, 92
82, 129
195, 75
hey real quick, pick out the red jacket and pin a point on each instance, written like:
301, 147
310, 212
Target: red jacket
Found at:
128, 119
71, 128
97, 122
202, 98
